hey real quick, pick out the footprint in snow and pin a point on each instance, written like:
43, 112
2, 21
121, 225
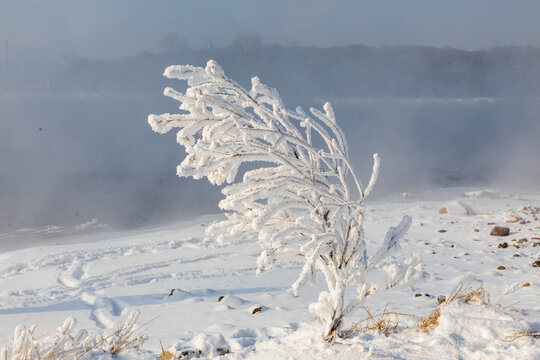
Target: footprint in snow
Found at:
72, 276
104, 309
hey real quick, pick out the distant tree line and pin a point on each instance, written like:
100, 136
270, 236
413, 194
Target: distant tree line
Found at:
351, 71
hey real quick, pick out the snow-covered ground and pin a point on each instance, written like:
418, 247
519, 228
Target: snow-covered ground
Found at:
175, 275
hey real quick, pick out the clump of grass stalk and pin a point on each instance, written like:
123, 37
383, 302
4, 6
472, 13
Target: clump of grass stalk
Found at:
518, 334
462, 292
64, 346
386, 322
165, 354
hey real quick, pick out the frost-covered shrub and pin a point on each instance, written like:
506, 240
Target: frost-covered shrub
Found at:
304, 200
66, 344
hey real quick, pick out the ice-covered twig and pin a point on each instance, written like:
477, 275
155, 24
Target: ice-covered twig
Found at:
304, 201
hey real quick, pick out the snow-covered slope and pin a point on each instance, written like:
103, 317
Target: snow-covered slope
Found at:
175, 277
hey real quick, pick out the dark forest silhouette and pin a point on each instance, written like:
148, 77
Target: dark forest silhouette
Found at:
352, 71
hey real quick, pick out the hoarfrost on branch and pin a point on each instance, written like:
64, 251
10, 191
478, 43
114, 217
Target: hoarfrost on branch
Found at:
304, 201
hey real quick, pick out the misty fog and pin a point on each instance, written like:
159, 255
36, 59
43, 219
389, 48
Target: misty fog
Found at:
75, 143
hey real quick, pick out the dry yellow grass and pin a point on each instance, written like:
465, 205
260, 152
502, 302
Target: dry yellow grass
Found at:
387, 322
122, 339
64, 347
461, 292
521, 334
164, 354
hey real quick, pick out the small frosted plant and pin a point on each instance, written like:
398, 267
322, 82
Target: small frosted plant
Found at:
304, 201
65, 345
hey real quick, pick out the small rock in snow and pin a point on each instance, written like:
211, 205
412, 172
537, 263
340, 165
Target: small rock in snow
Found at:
255, 309
500, 231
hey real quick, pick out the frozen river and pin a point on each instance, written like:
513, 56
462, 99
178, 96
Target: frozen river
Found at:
66, 159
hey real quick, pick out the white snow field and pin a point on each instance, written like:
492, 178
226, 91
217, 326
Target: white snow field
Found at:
175, 275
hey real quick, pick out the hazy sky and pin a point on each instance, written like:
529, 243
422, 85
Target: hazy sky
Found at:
112, 28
